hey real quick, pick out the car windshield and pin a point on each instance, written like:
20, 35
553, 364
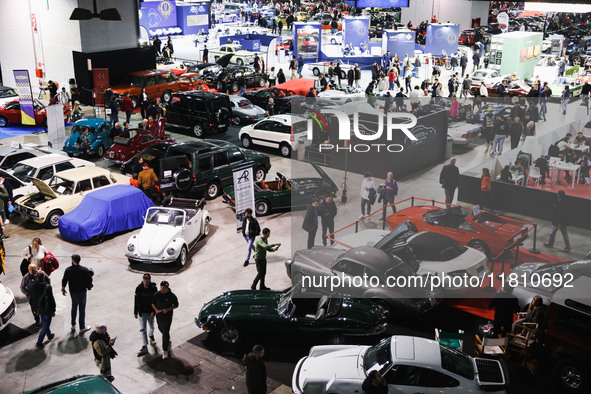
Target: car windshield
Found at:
456, 362
479, 74
300, 127
61, 186
378, 357
80, 128
23, 172
436, 247
165, 216
285, 306
7, 93
244, 104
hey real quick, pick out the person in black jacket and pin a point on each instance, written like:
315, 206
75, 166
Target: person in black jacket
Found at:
79, 280
350, 76
515, 131
42, 298
256, 372
250, 230
449, 178
374, 384
327, 211
142, 309
505, 305
542, 164
310, 224
280, 76
7, 200
559, 221
163, 303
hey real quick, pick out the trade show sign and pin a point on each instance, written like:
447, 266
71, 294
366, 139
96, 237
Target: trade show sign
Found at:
25, 96
442, 39
243, 193
401, 42
307, 37
56, 131
155, 14
356, 32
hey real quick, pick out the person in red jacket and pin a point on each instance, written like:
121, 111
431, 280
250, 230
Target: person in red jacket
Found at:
127, 106
485, 189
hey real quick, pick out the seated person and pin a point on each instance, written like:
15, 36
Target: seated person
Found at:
534, 313
580, 140
517, 169
585, 164
564, 145
506, 174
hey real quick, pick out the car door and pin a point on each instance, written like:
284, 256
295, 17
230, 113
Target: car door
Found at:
192, 228
145, 140
260, 133
12, 112
80, 190
406, 379
174, 110
222, 168
45, 173
104, 134
151, 86
249, 77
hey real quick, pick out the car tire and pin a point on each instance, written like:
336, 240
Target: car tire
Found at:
336, 339
230, 335
260, 173
239, 62
481, 247
182, 259
234, 87
236, 121
205, 228
213, 190
135, 101
316, 71
570, 374
333, 41
198, 130
3, 121
100, 151
262, 207
262, 82
285, 150
246, 142
166, 96
571, 94
53, 218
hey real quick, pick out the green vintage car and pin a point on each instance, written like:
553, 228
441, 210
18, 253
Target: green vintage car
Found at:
574, 85
240, 313
285, 193
88, 384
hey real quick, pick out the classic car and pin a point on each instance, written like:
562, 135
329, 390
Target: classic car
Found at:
463, 133
342, 95
574, 85
7, 95
105, 212
284, 101
201, 68
486, 75
309, 44
151, 155
12, 154
170, 231
65, 191
277, 131
39, 167
200, 112
11, 113
78, 384
125, 148
245, 112
334, 39
326, 319
514, 88
234, 73
444, 104
425, 252
99, 131
7, 305
284, 193
158, 84
478, 116
310, 266
241, 55
466, 37
301, 16
489, 233
192, 81
409, 365
318, 68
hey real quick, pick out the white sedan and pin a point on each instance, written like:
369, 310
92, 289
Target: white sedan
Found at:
277, 131
169, 232
409, 365
334, 39
425, 252
322, 68
486, 75
343, 96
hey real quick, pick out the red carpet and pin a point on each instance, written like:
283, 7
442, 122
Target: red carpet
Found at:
580, 190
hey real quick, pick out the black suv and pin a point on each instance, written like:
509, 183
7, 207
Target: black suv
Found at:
206, 166
251, 78
203, 112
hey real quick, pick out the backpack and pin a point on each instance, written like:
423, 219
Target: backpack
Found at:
43, 303
553, 150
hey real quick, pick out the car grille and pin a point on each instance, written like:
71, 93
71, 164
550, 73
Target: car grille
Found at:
8, 313
25, 210
489, 371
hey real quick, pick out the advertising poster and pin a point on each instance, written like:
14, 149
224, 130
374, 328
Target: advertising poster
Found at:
155, 14
356, 33
308, 42
243, 194
56, 131
442, 39
100, 78
25, 96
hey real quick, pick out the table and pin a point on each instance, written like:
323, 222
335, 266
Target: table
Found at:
517, 179
581, 148
574, 168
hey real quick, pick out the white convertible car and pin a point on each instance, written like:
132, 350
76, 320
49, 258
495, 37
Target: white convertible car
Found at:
409, 365
169, 232
425, 252
343, 96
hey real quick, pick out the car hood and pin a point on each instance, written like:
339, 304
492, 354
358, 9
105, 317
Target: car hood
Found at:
320, 255
327, 362
14, 180
43, 187
152, 238
6, 297
501, 227
252, 111
324, 176
225, 60
468, 261
243, 303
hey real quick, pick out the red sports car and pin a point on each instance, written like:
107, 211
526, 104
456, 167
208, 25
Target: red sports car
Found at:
192, 82
489, 233
466, 37
11, 113
124, 147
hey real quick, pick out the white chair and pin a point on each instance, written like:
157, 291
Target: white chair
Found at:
534, 173
491, 346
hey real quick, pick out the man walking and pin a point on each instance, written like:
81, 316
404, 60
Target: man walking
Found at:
256, 372
466, 85
205, 57
449, 178
127, 106
250, 230
328, 211
163, 303
27, 289
559, 221
310, 224
476, 60
142, 310
42, 298
464, 63
261, 247
79, 280
147, 181
293, 67
300, 65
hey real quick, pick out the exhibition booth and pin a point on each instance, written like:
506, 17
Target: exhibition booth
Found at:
517, 51
441, 39
165, 18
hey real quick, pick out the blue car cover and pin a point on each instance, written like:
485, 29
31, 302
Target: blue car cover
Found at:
106, 211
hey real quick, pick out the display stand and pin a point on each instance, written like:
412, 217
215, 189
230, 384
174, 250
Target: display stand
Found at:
356, 34
400, 42
442, 39
515, 52
306, 39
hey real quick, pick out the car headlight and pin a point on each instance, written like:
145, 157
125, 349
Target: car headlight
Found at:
131, 247
35, 214
170, 251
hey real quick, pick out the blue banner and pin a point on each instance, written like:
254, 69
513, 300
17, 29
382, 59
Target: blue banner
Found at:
25, 96
155, 14
356, 33
193, 19
400, 42
442, 39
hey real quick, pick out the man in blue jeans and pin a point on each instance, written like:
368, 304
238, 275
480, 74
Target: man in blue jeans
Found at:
250, 230
79, 280
143, 311
42, 297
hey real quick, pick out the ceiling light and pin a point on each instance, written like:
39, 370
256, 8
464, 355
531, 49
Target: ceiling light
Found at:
82, 14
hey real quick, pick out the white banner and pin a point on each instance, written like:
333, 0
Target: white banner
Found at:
243, 194
56, 132
271, 57
503, 21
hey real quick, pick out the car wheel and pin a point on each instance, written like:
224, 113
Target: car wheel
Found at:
240, 62
100, 152
53, 218
262, 82
262, 207
260, 174
234, 87
571, 94
577, 61
236, 121
285, 150
316, 71
230, 335
198, 130
481, 247
167, 96
182, 259
336, 339
3, 121
205, 228
570, 374
333, 41
135, 101
246, 141
213, 189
